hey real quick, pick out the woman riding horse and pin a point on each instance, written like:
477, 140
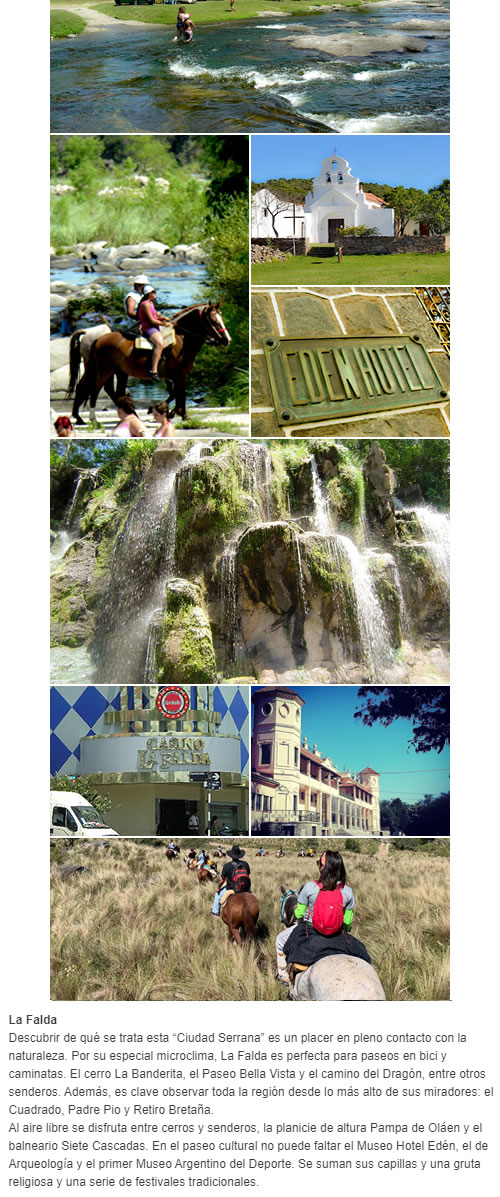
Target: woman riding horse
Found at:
114, 354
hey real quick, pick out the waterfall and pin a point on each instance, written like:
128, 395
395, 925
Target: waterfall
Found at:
84, 478
60, 545
228, 592
255, 476
435, 526
372, 626
73, 500
143, 560
321, 515
155, 625
371, 622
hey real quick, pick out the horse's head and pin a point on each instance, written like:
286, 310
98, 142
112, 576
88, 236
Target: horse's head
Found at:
217, 331
287, 906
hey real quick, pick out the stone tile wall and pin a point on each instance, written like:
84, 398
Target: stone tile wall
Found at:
340, 311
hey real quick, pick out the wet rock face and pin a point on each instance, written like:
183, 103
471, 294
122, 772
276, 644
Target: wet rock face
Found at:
72, 619
380, 498
185, 648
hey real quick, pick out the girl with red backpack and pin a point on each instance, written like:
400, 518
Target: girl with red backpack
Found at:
324, 913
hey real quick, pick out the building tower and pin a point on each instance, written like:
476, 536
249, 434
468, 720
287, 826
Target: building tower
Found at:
369, 777
276, 745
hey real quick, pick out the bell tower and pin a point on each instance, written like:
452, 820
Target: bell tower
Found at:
276, 735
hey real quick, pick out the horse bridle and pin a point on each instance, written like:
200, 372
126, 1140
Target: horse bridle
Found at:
214, 336
284, 897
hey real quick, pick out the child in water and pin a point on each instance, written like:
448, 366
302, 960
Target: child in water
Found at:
185, 26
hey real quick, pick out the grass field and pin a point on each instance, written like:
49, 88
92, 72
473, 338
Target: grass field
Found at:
385, 269
64, 22
135, 927
211, 11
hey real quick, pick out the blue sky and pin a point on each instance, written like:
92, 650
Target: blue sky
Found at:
412, 160
327, 720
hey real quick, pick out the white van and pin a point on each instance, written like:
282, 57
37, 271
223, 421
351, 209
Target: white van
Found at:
72, 815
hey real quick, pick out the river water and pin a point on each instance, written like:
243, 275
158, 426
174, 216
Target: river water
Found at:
254, 75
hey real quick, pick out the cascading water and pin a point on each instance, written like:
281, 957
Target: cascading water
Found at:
85, 480
374, 636
321, 514
435, 526
143, 561
255, 473
372, 626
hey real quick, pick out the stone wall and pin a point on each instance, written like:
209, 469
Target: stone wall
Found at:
285, 244
388, 245
297, 311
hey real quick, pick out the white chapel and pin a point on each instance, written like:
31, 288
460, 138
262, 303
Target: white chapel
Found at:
337, 201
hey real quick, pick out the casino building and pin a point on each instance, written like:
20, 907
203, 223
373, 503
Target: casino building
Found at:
295, 789
145, 747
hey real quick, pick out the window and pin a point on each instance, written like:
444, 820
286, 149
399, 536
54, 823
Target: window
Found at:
257, 801
295, 757
283, 756
265, 802
265, 754
59, 816
266, 708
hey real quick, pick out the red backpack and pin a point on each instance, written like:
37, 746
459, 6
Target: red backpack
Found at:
241, 880
328, 912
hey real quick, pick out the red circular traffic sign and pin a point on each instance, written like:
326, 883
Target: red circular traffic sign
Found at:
173, 702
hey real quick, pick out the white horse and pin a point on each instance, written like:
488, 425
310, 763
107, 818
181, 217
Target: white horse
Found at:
338, 979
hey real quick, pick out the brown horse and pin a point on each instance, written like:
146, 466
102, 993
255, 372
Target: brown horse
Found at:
207, 873
115, 356
240, 914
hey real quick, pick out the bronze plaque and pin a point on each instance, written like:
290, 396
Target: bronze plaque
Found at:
319, 378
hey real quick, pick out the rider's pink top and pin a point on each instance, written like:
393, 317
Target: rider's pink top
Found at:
145, 320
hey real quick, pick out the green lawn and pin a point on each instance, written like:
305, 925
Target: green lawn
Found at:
210, 11
367, 268
62, 23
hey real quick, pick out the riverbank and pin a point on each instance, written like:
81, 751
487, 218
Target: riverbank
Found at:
64, 23
100, 16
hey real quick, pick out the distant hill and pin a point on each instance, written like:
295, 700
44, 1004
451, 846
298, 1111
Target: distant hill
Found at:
294, 190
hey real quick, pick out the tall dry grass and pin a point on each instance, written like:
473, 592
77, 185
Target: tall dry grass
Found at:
135, 927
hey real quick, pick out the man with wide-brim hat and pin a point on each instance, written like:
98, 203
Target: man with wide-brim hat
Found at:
227, 882
132, 301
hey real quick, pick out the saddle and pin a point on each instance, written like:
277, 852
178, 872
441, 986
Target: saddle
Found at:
167, 334
228, 894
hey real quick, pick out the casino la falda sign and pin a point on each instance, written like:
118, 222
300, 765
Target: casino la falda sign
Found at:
162, 752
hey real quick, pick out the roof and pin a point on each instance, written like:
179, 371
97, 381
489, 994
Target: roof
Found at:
312, 756
375, 199
277, 692
368, 769
263, 779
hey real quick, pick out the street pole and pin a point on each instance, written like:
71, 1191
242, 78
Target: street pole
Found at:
209, 799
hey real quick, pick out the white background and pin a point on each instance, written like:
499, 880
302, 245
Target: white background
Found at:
475, 591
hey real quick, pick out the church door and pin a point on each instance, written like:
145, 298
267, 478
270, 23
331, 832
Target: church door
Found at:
333, 226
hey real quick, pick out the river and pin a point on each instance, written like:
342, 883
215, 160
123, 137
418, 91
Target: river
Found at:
269, 74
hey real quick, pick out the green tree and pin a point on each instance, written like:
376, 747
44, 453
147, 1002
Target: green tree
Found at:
225, 160
407, 203
427, 708
85, 786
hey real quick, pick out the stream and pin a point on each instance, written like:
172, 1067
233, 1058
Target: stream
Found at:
273, 73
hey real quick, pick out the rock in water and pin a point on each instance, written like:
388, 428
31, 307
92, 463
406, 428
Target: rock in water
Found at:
339, 979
